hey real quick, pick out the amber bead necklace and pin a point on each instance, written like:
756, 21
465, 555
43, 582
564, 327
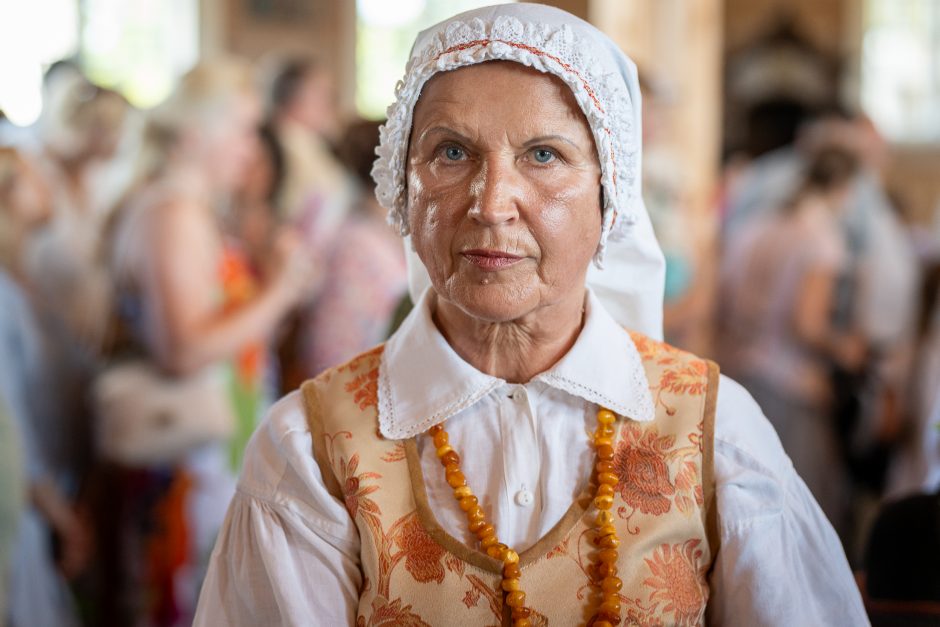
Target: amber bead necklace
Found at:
604, 559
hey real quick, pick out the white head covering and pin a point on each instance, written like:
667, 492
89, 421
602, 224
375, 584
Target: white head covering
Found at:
629, 270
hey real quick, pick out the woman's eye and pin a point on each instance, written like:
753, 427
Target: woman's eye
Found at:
543, 155
454, 153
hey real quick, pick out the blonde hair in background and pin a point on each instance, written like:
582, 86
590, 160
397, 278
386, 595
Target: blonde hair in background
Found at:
195, 105
78, 114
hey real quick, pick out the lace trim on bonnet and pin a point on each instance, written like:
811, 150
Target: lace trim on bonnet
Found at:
602, 96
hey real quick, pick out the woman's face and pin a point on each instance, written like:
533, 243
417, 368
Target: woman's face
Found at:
230, 141
503, 190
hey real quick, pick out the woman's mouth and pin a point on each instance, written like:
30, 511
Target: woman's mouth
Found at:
490, 260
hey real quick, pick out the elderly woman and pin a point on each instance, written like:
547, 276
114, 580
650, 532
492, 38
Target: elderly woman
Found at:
512, 453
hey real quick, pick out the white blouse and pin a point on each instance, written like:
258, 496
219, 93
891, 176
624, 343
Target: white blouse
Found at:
288, 553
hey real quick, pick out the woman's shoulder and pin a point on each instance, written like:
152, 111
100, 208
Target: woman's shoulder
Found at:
280, 461
751, 468
281, 445
740, 424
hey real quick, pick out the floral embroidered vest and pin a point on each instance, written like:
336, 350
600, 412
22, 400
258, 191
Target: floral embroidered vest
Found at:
416, 574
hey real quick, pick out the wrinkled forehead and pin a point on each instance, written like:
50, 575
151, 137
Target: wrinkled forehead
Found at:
498, 93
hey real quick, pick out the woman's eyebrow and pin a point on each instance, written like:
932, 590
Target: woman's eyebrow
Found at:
445, 130
541, 139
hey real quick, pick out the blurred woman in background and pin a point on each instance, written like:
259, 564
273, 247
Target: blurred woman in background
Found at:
191, 303
355, 304
49, 538
776, 330
80, 130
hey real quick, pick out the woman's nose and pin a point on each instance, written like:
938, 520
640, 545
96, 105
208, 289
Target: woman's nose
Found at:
496, 193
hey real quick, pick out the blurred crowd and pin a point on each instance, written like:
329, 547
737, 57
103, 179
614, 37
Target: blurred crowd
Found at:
165, 275
821, 298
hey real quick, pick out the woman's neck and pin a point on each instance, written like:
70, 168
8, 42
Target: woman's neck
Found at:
516, 350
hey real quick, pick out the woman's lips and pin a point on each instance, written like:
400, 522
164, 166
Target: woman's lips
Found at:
490, 260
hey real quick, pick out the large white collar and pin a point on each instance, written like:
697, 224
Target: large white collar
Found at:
423, 382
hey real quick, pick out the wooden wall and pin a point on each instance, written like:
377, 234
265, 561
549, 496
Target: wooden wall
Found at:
266, 29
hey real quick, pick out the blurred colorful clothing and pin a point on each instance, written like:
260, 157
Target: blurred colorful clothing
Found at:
364, 282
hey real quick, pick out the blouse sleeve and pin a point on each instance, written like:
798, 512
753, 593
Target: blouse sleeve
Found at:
779, 562
288, 552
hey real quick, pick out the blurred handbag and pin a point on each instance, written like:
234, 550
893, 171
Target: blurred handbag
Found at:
145, 417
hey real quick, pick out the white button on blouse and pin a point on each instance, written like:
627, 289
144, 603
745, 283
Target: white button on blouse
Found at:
524, 498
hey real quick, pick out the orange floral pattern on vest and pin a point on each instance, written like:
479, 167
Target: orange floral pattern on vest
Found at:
410, 576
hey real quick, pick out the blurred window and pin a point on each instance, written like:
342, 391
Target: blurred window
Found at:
33, 34
139, 47
901, 68
384, 34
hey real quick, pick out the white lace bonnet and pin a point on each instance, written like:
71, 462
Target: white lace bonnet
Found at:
628, 270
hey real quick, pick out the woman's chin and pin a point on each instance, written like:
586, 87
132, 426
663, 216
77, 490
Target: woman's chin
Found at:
491, 302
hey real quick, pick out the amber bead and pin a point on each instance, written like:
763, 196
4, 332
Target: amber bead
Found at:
603, 442
521, 612
607, 556
468, 502
451, 458
605, 489
511, 571
522, 622
515, 599
435, 430
607, 616
604, 467
605, 452
476, 525
455, 478
603, 502
606, 416
486, 529
475, 513
497, 550
607, 477
462, 492
606, 569
611, 606
606, 433
608, 542
604, 518
444, 450
440, 439
611, 585
606, 530
601, 623
488, 541
510, 585
510, 557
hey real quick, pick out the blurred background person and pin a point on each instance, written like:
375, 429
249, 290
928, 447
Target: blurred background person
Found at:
875, 296
254, 219
316, 192
50, 539
364, 276
79, 133
777, 334
26, 208
190, 301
